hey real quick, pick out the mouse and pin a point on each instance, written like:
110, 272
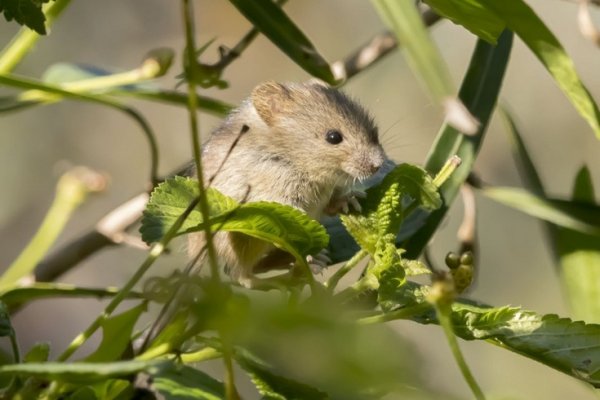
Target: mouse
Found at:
306, 145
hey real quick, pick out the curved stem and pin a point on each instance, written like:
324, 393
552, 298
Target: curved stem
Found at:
347, 267
156, 250
20, 45
443, 315
25, 83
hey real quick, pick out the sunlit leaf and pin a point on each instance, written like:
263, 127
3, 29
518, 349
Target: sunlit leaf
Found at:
578, 216
83, 372
116, 335
579, 255
471, 14
284, 226
38, 353
187, 383
425, 60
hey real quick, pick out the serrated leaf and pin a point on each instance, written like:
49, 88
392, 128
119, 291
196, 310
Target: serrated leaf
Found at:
25, 12
187, 383
568, 346
471, 14
284, 226
393, 295
578, 216
271, 21
414, 267
82, 372
383, 209
273, 386
116, 335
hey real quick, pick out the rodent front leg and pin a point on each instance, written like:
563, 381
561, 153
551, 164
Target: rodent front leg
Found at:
343, 202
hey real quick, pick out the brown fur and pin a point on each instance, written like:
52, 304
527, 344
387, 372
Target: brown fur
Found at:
284, 157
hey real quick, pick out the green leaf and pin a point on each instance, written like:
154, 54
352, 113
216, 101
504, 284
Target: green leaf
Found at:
45, 290
479, 93
187, 383
383, 211
83, 372
579, 255
116, 335
273, 386
471, 14
271, 21
25, 12
392, 295
284, 226
581, 217
522, 20
38, 353
570, 347
425, 60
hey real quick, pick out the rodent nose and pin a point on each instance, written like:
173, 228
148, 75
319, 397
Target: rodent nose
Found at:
374, 167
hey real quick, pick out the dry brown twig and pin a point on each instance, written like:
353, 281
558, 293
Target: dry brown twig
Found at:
112, 229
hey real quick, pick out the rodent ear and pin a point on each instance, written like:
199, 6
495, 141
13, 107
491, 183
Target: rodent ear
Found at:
271, 99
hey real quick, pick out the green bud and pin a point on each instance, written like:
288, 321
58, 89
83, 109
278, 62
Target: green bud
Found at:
452, 260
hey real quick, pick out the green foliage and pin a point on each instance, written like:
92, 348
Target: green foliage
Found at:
25, 12
186, 383
324, 342
284, 226
271, 21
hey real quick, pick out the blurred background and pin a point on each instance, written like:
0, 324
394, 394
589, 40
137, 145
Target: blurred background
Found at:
37, 145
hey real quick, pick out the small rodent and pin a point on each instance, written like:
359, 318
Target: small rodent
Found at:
302, 144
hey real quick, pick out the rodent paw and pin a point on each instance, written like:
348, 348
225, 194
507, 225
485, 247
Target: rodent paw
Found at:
319, 261
343, 203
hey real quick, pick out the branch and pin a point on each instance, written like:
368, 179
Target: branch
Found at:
373, 51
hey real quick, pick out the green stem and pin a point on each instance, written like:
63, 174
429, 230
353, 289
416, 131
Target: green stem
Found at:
340, 273
403, 313
71, 191
155, 251
24, 83
443, 315
20, 45
190, 53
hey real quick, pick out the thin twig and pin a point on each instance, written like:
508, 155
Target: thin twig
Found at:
467, 232
373, 51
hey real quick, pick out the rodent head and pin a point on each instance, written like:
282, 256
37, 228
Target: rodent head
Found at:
319, 129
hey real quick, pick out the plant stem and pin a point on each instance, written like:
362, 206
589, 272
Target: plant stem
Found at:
71, 190
403, 313
340, 273
443, 315
156, 250
24, 83
190, 54
20, 45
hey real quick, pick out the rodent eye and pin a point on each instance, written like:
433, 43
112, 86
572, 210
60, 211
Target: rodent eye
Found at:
334, 137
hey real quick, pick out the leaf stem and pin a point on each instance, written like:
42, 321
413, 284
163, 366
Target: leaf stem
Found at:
443, 314
342, 271
24, 40
71, 191
25, 83
155, 251
403, 313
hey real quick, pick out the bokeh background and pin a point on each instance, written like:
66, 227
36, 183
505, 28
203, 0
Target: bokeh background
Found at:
516, 267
